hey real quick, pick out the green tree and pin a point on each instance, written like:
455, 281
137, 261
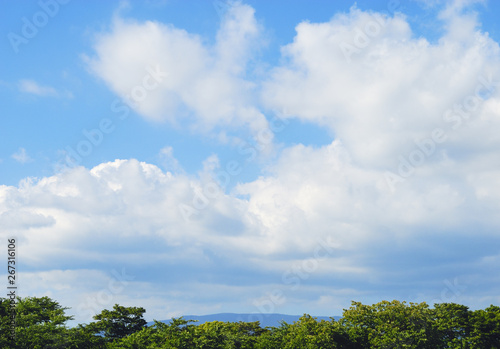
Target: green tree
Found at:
178, 333
227, 335
147, 338
40, 323
390, 325
451, 322
210, 335
118, 323
311, 334
5, 324
485, 328
242, 335
273, 337
80, 337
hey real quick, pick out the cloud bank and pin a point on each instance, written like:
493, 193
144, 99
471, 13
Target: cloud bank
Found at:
401, 204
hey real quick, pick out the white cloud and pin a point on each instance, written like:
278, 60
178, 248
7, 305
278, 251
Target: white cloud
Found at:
33, 87
118, 203
22, 156
202, 86
316, 220
378, 87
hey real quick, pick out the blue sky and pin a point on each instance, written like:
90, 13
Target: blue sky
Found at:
195, 157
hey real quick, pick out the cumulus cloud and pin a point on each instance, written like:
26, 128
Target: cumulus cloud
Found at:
379, 88
198, 85
316, 226
116, 214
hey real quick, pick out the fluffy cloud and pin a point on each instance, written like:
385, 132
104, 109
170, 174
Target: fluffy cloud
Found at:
379, 88
116, 203
193, 83
421, 116
123, 218
316, 226
414, 124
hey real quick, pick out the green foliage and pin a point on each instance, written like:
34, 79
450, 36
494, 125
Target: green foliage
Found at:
273, 337
119, 322
81, 338
41, 323
389, 325
452, 325
5, 321
217, 334
309, 333
485, 331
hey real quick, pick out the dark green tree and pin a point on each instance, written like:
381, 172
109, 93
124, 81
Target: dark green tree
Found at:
451, 322
5, 324
118, 323
40, 322
485, 328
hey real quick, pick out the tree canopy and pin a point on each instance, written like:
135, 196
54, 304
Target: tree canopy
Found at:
41, 323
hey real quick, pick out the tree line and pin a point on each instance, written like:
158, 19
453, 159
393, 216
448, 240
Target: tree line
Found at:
41, 322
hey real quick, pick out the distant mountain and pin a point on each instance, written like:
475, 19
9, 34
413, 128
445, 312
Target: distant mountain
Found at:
271, 320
